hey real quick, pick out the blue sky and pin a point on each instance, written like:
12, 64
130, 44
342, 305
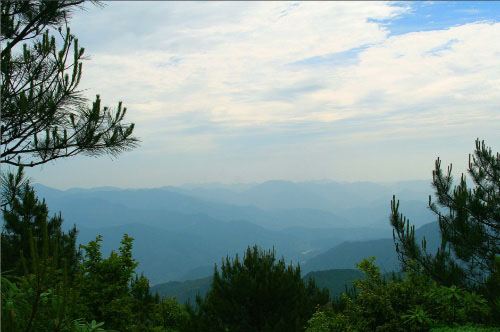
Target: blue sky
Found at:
252, 91
441, 15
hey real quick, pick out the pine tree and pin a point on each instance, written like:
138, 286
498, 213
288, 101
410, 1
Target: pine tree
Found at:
25, 220
469, 220
44, 116
257, 294
39, 263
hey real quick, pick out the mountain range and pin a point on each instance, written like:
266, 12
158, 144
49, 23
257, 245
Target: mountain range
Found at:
181, 232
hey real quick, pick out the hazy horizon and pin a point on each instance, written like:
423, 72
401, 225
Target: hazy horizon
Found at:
229, 184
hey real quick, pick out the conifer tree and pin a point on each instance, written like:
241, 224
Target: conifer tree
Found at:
44, 115
257, 294
39, 263
25, 219
469, 221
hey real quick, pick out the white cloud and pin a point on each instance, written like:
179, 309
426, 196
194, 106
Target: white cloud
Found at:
245, 58
197, 75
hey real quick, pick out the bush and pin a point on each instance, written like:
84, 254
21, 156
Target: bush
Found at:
415, 303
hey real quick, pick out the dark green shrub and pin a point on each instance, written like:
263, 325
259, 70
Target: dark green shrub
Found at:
415, 303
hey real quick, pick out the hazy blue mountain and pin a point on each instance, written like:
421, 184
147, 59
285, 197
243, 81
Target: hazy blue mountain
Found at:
360, 203
347, 254
233, 187
103, 188
282, 194
328, 196
190, 228
184, 290
273, 204
319, 239
412, 190
377, 214
316, 239
88, 211
118, 207
199, 272
191, 251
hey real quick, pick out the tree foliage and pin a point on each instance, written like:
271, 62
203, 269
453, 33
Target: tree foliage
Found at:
415, 303
44, 116
39, 264
469, 220
27, 227
257, 293
104, 284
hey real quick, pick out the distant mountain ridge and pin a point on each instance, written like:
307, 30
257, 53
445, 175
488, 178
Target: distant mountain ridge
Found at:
182, 232
318, 195
273, 204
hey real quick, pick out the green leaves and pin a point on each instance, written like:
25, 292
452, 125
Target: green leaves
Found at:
415, 303
104, 284
417, 319
79, 325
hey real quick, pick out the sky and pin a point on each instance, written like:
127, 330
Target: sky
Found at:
240, 92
